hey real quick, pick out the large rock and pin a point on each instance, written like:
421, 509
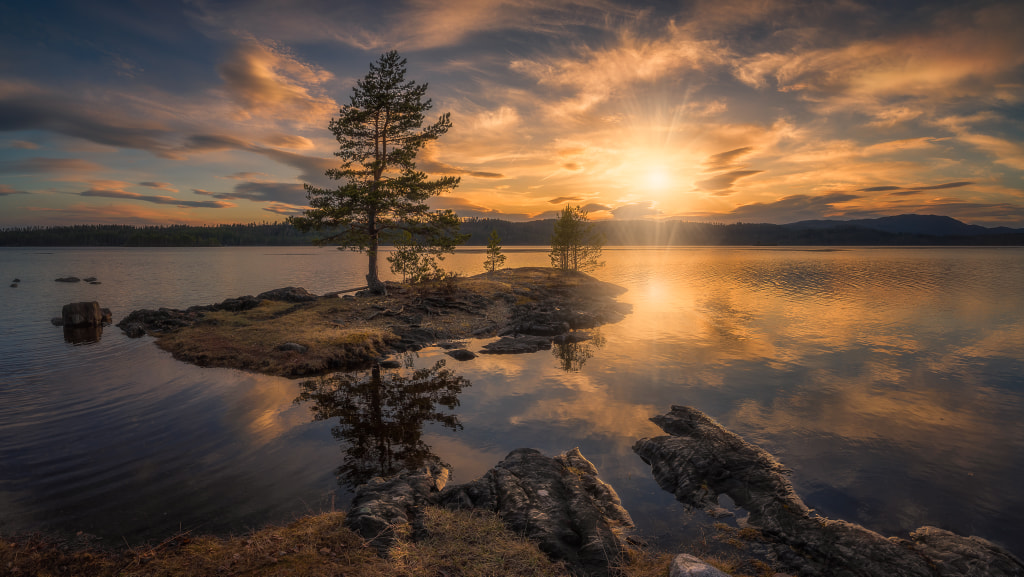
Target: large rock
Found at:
690, 566
560, 502
84, 314
700, 460
385, 509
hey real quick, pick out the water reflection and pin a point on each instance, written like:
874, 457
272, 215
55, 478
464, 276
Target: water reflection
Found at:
576, 348
381, 415
83, 335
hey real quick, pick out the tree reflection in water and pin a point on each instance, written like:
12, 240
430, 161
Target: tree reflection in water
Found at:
572, 355
381, 416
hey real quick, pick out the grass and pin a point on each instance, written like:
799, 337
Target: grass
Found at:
459, 544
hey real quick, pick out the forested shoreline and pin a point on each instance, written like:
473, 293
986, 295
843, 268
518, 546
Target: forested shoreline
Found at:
537, 232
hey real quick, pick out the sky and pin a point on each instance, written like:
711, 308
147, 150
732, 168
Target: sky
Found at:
216, 111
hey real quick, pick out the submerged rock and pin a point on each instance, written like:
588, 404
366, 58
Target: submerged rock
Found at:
517, 345
700, 460
461, 355
68, 279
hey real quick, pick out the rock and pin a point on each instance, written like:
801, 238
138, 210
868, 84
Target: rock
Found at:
57, 321
574, 337
83, 314
690, 566
68, 279
95, 282
461, 355
16, 280
238, 304
289, 294
133, 330
14, 285
516, 345
559, 502
108, 317
700, 459
384, 510
389, 364
295, 347
89, 279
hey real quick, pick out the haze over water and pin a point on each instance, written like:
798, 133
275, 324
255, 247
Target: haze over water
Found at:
888, 379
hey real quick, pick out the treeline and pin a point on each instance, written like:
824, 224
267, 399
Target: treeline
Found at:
538, 232
264, 234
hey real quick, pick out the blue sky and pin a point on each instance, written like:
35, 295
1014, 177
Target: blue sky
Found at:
738, 110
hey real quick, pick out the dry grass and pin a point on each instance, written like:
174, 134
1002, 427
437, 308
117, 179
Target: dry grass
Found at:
459, 544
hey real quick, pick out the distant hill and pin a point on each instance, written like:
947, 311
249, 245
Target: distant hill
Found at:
918, 224
907, 229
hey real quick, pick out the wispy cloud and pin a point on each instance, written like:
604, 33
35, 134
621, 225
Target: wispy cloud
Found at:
41, 165
156, 199
7, 190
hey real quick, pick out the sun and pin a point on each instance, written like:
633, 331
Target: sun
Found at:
657, 178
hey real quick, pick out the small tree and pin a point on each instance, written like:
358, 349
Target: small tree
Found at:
382, 193
495, 260
575, 245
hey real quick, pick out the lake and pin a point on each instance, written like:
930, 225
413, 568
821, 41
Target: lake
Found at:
890, 380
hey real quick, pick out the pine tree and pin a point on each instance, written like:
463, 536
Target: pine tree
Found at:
575, 245
382, 195
495, 260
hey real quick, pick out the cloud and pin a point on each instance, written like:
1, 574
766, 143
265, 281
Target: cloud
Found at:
595, 75
276, 192
467, 208
562, 199
913, 189
36, 109
721, 185
155, 199
263, 79
7, 190
725, 160
437, 167
24, 145
793, 208
595, 207
159, 185
285, 209
635, 210
41, 165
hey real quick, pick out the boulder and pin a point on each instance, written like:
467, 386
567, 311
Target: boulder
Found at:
84, 314
294, 347
461, 354
133, 330
690, 566
560, 502
700, 460
16, 280
557, 501
14, 285
289, 294
515, 345
89, 279
68, 279
384, 510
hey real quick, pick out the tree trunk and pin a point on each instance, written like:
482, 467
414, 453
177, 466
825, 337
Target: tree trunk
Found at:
372, 279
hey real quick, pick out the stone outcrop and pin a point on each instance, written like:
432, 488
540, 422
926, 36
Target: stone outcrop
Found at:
461, 354
289, 294
557, 501
700, 460
167, 319
84, 314
690, 566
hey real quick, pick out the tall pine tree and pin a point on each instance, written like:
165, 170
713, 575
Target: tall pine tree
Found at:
382, 196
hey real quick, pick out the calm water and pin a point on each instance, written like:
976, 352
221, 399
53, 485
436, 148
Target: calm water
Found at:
890, 380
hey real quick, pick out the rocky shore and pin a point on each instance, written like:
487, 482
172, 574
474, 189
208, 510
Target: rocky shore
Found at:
291, 332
